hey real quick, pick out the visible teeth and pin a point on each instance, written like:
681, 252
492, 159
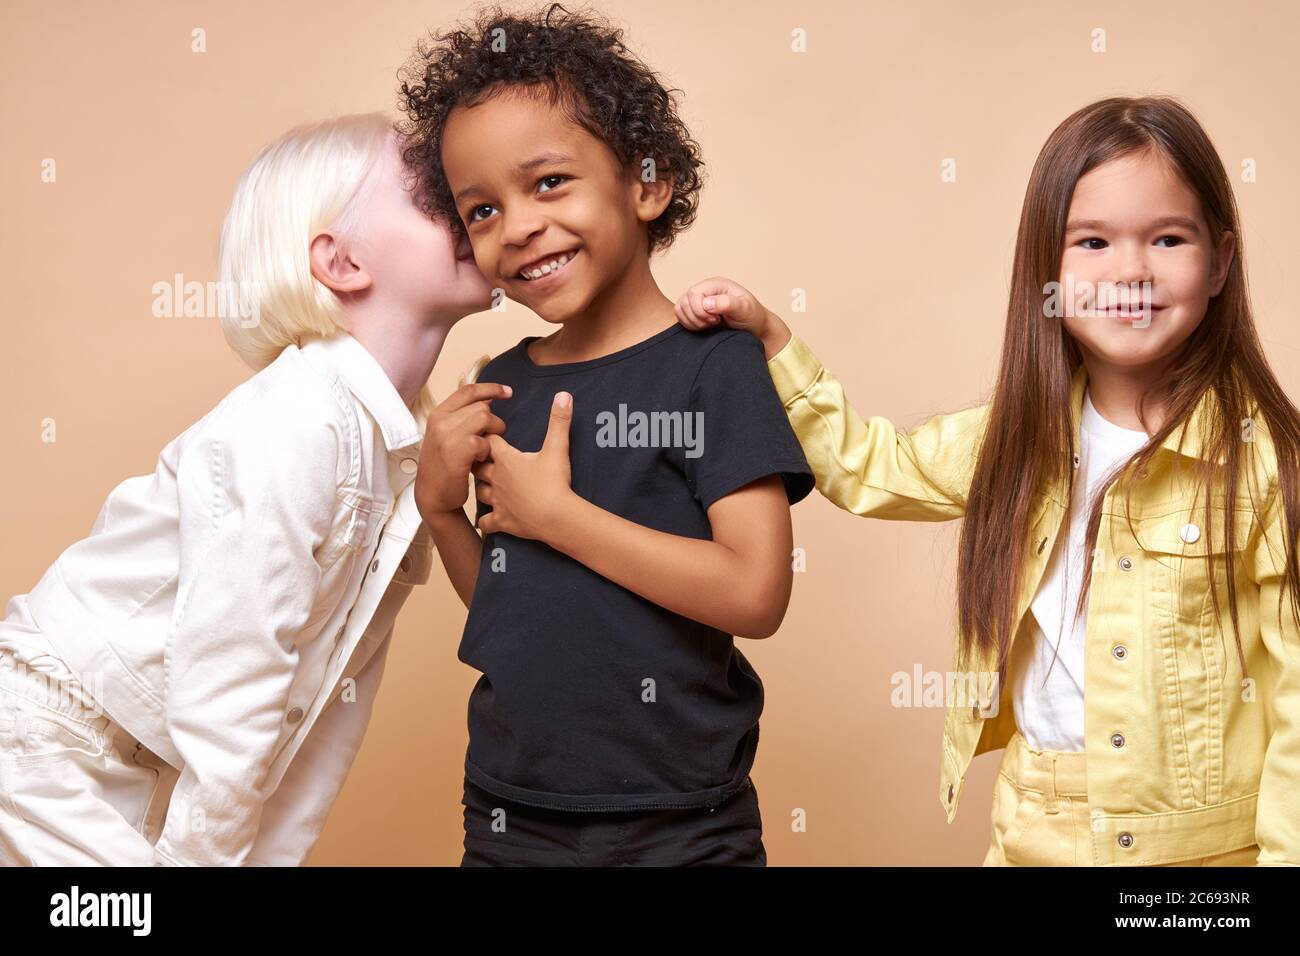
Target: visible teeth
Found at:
548, 267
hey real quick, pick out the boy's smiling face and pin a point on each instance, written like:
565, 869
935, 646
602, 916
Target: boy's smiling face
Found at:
532, 187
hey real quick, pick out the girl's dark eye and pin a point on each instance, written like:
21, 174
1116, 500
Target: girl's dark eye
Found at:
473, 213
1178, 240
1084, 243
558, 176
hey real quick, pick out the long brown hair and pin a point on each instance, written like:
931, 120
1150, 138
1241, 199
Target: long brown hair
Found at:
1028, 442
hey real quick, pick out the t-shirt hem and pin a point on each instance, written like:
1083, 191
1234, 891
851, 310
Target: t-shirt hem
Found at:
712, 797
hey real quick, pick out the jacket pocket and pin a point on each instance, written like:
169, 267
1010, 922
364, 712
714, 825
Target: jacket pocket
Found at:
356, 525
416, 564
357, 520
1194, 656
1187, 552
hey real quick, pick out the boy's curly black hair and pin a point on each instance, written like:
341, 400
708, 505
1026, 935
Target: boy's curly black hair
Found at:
582, 66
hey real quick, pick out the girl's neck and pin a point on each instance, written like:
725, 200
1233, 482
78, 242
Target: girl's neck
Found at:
406, 346
1115, 390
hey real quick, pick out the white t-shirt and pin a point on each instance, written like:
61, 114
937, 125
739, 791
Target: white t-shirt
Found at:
1048, 694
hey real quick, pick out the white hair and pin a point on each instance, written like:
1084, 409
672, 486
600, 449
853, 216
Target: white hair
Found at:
312, 178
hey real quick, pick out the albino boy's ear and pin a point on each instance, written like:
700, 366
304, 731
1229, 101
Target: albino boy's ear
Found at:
333, 267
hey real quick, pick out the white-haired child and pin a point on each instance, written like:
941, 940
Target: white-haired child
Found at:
190, 683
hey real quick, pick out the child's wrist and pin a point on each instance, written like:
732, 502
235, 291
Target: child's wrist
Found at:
438, 518
775, 335
562, 518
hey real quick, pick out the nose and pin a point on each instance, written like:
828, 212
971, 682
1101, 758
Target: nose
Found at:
520, 224
1133, 265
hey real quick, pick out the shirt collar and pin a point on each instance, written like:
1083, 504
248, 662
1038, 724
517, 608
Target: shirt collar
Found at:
368, 381
1188, 433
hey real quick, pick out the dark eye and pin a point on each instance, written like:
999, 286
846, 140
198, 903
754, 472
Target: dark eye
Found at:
1084, 242
545, 179
473, 213
1178, 240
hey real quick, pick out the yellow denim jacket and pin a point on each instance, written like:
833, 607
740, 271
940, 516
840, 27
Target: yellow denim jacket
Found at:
1185, 758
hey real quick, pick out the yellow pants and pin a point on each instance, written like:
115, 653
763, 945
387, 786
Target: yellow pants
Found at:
1040, 813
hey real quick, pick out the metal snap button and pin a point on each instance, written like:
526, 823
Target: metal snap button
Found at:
1117, 740
295, 715
1126, 563
1041, 545
950, 791
1119, 651
409, 465
1076, 459
1190, 533
374, 568
1126, 839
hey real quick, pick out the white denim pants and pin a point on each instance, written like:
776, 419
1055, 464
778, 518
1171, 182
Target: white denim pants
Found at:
75, 788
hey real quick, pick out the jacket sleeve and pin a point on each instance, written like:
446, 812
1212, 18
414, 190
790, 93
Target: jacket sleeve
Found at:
257, 496
868, 467
1277, 811
295, 815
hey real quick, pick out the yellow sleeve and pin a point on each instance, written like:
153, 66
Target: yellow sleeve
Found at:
1277, 812
867, 467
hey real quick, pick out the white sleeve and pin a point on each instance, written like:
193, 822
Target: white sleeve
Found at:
257, 498
295, 815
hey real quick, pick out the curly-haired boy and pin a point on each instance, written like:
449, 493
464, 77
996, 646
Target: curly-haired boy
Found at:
636, 511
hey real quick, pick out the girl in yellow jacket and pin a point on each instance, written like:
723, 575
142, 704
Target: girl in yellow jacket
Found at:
1138, 469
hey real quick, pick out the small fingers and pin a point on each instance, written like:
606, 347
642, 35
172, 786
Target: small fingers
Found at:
475, 392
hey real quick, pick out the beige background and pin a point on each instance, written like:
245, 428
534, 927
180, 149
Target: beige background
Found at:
823, 175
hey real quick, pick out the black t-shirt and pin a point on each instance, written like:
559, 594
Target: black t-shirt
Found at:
593, 698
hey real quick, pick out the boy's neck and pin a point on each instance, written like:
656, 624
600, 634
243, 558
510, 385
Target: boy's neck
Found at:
623, 314
405, 346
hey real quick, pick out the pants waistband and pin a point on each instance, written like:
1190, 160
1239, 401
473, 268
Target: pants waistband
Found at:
1051, 772
46, 682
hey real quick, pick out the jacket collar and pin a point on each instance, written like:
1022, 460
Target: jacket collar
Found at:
368, 381
1188, 433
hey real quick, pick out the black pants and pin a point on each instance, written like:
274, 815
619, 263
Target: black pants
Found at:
730, 835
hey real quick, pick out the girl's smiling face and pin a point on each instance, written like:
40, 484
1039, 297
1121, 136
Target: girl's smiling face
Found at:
1136, 228
536, 191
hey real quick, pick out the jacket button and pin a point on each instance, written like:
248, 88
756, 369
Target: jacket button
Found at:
1119, 651
374, 568
1117, 740
405, 564
1041, 545
1126, 839
1076, 459
295, 715
409, 465
1126, 563
1190, 533
950, 793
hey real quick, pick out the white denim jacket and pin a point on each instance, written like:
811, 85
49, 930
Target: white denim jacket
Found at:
235, 607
